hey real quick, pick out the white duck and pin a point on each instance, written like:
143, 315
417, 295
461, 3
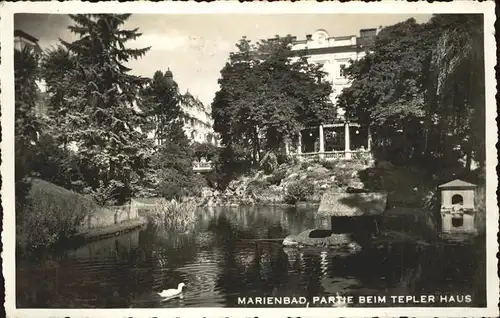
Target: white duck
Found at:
172, 293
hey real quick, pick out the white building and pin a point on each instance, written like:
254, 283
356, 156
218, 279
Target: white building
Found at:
23, 39
198, 122
335, 54
340, 139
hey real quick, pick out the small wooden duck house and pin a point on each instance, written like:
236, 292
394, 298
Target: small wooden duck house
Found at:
457, 207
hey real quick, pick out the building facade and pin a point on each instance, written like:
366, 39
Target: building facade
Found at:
23, 39
198, 122
340, 139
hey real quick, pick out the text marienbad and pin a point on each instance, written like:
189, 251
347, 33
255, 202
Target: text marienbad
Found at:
320, 300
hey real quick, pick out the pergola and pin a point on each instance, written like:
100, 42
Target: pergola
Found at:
360, 147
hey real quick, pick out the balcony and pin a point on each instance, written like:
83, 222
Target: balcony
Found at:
336, 155
199, 166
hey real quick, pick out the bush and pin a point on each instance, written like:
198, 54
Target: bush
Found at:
269, 162
257, 185
51, 213
480, 204
317, 172
282, 158
293, 160
173, 214
342, 178
330, 165
305, 164
299, 191
198, 182
175, 185
204, 150
276, 178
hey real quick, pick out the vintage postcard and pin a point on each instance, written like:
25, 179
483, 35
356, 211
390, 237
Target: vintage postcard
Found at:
235, 159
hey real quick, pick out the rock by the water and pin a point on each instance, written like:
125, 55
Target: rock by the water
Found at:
341, 241
290, 241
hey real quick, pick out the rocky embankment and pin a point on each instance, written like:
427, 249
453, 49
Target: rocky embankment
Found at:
289, 183
339, 241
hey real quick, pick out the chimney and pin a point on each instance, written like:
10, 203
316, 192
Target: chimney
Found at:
365, 33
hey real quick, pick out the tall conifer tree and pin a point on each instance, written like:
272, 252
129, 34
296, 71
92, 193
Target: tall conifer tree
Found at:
100, 108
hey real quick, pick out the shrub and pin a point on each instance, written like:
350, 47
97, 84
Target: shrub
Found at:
277, 177
316, 159
52, 213
269, 162
342, 178
480, 204
317, 172
198, 182
257, 185
293, 160
305, 164
330, 165
204, 150
175, 185
298, 191
173, 214
282, 157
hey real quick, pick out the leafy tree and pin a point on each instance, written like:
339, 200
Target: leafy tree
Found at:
388, 87
230, 162
95, 105
456, 91
422, 90
161, 100
173, 162
27, 124
267, 97
204, 150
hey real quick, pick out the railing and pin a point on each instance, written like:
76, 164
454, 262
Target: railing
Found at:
337, 155
199, 166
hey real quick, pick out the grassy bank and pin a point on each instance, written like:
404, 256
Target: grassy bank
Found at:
51, 213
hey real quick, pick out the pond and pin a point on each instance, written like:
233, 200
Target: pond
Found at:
219, 260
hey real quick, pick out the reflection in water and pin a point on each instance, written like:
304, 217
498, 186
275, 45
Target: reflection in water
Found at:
220, 259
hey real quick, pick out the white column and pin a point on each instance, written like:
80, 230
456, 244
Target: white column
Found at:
321, 142
287, 148
347, 141
369, 139
299, 143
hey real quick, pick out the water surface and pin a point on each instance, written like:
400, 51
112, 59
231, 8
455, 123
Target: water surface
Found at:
219, 260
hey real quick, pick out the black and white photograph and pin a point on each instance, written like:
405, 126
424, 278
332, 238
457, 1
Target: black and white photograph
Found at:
302, 161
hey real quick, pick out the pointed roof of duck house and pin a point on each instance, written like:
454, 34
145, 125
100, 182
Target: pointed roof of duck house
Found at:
352, 204
457, 184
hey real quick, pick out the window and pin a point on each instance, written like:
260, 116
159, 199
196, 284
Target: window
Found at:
343, 73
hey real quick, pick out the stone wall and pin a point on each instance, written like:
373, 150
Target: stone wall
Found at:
109, 215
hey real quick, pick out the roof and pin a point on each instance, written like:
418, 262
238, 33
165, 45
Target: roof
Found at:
352, 204
327, 50
25, 35
457, 183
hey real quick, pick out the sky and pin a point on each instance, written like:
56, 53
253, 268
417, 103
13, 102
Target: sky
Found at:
195, 47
